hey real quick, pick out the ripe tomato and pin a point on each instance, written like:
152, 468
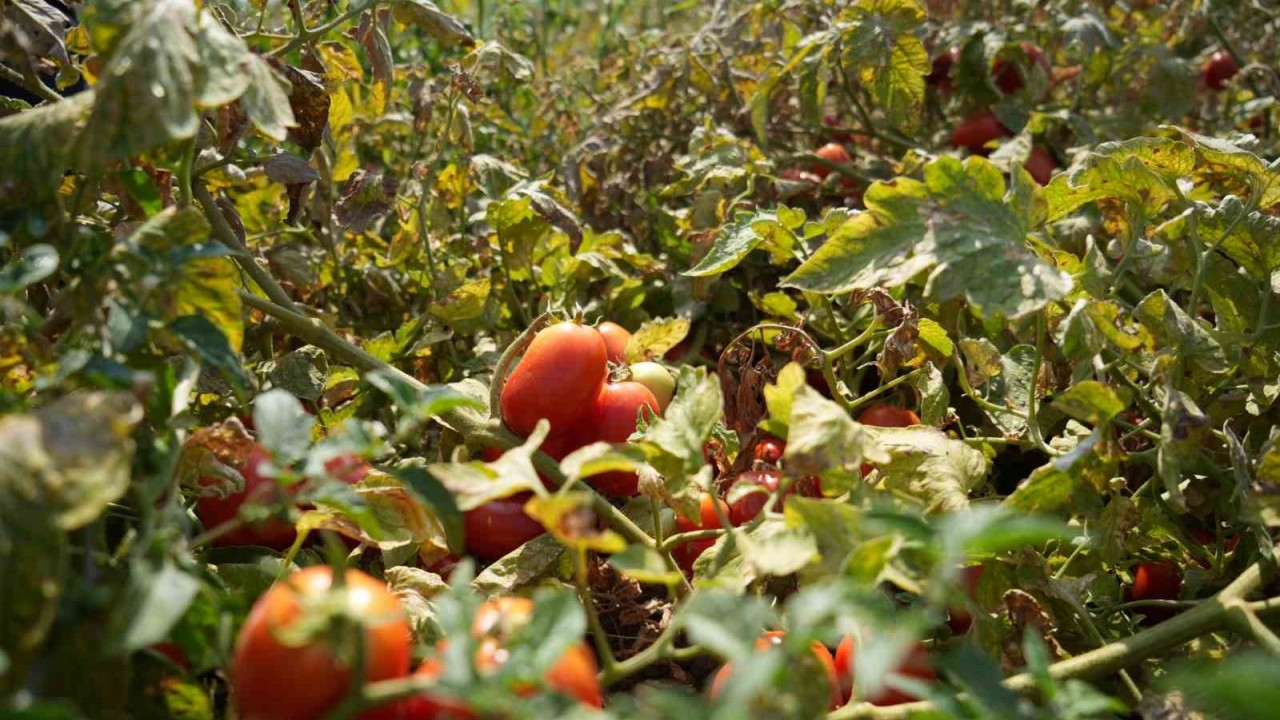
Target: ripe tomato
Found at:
499, 526
574, 674
959, 619
172, 651
833, 152
558, 378
274, 681
612, 419
886, 415
1154, 581
978, 130
214, 511
1218, 70
769, 450
658, 379
747, 507
915, 665
1040, 164
615, 340
774, 637
1008, 75
708, 519
940, 72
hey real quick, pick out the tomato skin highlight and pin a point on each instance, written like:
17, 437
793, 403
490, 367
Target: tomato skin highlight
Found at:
1040, 164
774, 637
615, 340
612, 419
976, 131
499, 526
915, 665
1008, 75
558, 377
708, 519
214, 511
1218, 70
272, 681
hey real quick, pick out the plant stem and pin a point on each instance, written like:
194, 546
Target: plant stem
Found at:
581, 581
225, 235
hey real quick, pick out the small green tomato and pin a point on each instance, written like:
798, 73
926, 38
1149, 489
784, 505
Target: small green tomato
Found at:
657, 379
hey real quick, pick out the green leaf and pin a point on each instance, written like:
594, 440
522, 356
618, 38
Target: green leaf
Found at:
1141, 171
283, 425
35, 149
158, 595
955, 227
34, 264
1067, 483
558, 514
440, 25
538, 558
723, 622
736, 240
644, 565
928, 465
655, 338
1241, 685
821, 437
72, 457
1092, 402
1180, 333
886, 54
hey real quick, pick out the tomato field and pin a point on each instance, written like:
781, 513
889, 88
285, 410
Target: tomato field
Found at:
462, 359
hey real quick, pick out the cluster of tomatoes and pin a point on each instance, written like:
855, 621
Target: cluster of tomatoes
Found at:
1009, 76
563, 378
277, 676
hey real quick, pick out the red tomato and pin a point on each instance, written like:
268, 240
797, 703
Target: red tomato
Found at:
274, 681
747, 507
769, 450
774, 637
499, 526
978, 130
558, 378
886, 415
615, 340
1009, 77
833, 152
1040, 164
940, 72
916, 665
685, 554
959, 619
444, 566
612, 419
1154, 581
214, 511
1218, 70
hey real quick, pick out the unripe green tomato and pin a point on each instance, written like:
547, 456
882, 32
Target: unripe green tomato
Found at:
657, 379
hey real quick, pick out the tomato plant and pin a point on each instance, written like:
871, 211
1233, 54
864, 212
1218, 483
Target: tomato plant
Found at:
708, 519
826, 665
612, 418
657, 379
915, 665
615, 340
499, 526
